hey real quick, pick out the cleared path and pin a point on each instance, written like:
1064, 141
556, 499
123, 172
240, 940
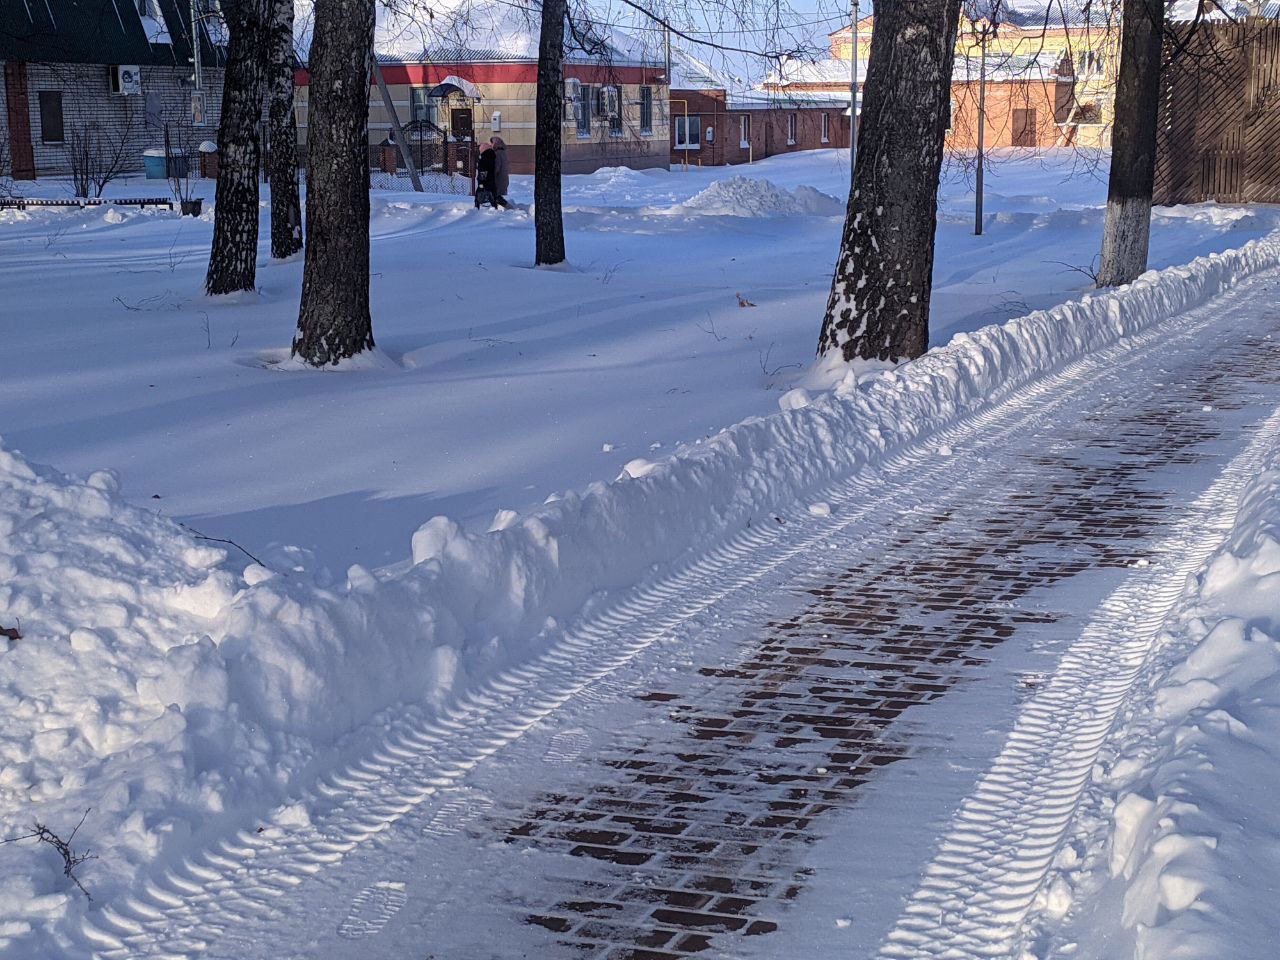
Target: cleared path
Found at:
845, 735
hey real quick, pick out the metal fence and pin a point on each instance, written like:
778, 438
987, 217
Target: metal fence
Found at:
445, 165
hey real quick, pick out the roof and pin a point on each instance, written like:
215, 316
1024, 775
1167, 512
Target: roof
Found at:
690, 73
99, 32
773, 100
829, 72
835, 73
1185, 10
482, 31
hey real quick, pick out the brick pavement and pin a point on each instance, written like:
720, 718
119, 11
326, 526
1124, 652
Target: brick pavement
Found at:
695, 824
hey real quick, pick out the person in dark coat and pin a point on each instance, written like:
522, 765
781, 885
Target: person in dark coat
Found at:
501, 172
486, 165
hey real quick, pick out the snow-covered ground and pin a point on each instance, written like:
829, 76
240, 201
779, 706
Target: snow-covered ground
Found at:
508, 384
186, 693
1176, 852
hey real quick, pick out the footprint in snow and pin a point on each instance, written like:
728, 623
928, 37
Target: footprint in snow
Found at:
456, 812
567, 746
372, 908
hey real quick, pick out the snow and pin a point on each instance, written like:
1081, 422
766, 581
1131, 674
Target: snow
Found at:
1179, 835
183, 688
497, 395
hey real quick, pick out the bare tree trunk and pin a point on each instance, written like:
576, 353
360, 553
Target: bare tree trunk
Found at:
233, 260
1127, 230
286, 212
879, 303
333, 320
548, 218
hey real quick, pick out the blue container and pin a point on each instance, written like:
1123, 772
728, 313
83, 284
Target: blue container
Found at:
154, 166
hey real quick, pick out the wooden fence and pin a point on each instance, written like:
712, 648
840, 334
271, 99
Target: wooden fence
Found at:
1219, 131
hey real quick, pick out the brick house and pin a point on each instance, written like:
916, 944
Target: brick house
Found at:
716, 121
1053, 95
1025, 106
478, 77
122, 67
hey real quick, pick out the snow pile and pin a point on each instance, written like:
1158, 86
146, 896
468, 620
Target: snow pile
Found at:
746, 197
1194, 832
170, 694
113, 696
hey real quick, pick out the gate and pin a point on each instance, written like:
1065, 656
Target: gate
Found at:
1218, 136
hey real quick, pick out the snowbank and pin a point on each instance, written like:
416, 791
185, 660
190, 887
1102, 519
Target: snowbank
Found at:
746, 197
168, 693
1193, 838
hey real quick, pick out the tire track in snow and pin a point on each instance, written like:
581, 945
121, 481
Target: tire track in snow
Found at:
421, 761
997, 852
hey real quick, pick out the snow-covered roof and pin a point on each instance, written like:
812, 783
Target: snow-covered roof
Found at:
1184, 10
829, 72
835, 73
690, 73
775, 99
480, 31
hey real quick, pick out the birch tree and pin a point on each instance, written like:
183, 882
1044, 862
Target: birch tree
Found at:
282, 167
1127, 228
333, 318
233, 259
879, 303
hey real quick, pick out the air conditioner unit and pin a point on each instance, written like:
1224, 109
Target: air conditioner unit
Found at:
126, 80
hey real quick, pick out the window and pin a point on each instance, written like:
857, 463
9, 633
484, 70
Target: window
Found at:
792, 120
744, 131
646, 110
586, 100
688, 131
51, 116
572, 90
1089, 62
826, 128
613, 109
153, 21
422, 108
1089, 112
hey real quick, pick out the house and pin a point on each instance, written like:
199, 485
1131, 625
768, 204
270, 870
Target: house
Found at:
717, 120
451, 81
111, 74
1049, 77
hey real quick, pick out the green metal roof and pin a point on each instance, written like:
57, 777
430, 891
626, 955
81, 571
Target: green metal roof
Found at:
96, 31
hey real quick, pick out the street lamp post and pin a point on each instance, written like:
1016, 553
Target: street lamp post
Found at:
853, 88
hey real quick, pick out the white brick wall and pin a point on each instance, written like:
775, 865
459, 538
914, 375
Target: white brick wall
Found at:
87, 97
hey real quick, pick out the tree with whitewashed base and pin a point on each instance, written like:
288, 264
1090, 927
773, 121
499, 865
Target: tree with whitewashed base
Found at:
1127, 227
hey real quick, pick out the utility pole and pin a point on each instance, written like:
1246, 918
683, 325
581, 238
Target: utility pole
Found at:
397, 131
982, 117
853, 89
197, 95
666, 49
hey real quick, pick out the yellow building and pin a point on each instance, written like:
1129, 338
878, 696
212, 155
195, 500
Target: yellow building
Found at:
1085, 50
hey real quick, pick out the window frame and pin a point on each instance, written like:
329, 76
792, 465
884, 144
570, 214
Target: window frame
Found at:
744, 132
646, 111
613, 108
423, 107
826, 127
793, 127
683, 125
54, 96
586, 102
